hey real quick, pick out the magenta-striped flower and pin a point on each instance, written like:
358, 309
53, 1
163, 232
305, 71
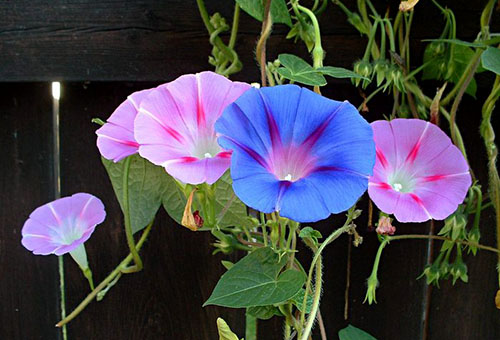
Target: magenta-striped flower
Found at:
115, 139
419, 174
175, 126
62, 226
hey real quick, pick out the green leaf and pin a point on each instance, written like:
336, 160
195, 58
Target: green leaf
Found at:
458, 42
480, 44
310, 233
353, 333
147, 184
256, 281
174, 200
339, 72
227, 264
279, 10
438, 66
235, 212
490, 59
297, 69
263, 312
298, 300
225, 333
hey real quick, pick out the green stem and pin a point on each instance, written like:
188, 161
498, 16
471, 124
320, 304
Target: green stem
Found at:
469, 75
318, 52
371, 38
117, 271
373, 279
62, 290
234, 28
128, 224
217, 41
441, 238
317, 296
88, 275
370, 97
250, 327
488, 134
317, 254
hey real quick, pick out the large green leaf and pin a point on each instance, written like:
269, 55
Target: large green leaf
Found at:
279, 10
173, 199
297, 69
491, 59
226, 203
339, 72
256, 281
353, 333
146, 182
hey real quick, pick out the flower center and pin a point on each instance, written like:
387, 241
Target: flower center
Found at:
206, 148
401, 181
291, 163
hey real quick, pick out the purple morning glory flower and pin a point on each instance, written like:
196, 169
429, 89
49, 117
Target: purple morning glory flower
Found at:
296, 152
419, 174
62, 226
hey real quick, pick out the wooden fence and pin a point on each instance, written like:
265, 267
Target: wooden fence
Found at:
102, 51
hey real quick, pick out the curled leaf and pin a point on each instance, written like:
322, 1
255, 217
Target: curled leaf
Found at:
406, 6
435, 105
225, 332
189, 220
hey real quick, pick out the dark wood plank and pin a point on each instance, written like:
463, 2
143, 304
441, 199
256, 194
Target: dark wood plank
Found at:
147, 40
162, 302
468, 310
29, 291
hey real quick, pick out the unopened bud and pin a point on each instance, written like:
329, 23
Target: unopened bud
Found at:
385, 227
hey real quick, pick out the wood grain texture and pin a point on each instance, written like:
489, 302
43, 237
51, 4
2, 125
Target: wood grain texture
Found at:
28, 283
149, 40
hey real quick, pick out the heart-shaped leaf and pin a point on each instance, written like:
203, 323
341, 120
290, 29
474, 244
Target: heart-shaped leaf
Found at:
298, 70
227, 204
146, 185
256, 281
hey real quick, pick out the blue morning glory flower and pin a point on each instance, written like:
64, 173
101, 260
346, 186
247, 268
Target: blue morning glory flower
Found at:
296, 152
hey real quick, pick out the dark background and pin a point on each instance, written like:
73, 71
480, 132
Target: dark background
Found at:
104, 50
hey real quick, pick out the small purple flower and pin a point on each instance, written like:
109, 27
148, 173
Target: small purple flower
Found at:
115, 139
296, 152
63, 226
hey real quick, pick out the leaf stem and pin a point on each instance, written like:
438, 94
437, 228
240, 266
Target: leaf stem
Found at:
441, 238
128, 225
117, 271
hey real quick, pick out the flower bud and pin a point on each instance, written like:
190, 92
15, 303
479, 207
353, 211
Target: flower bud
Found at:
385, 227
459, 270
380, 69
372, 284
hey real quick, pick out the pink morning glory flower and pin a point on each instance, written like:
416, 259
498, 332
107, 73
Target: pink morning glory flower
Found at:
115, 139
62, 226
419, 174
175, 126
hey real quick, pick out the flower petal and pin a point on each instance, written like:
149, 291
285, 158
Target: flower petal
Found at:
196, 171
174, 126
115, 139
62, 225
